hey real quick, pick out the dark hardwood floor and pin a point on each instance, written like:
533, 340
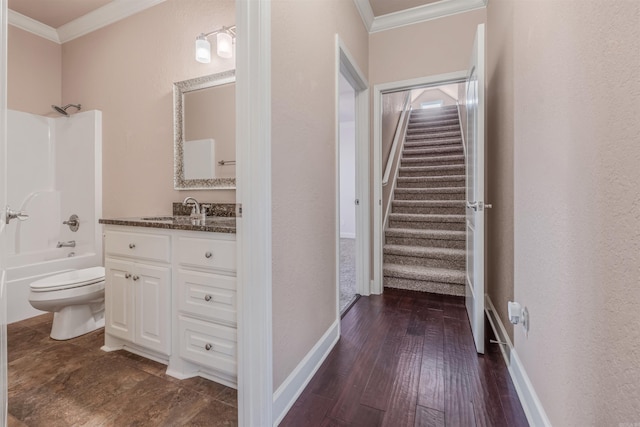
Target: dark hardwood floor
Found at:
408, 359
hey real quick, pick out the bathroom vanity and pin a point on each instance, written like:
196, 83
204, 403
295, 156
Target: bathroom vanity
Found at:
170, 293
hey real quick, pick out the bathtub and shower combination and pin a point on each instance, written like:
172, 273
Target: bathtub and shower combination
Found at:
54, 171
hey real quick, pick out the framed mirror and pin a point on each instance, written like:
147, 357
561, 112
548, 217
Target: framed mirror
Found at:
205, 132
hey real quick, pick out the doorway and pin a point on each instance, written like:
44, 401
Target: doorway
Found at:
352, 181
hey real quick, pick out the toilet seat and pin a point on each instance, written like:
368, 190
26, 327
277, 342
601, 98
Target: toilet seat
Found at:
69, 280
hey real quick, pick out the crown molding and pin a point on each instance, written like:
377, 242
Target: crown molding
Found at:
366, 13
94, 20
25, 23
101, 17
414, 15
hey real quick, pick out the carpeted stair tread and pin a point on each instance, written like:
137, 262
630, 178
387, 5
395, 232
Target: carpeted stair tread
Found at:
426, 234
447, 149
425, 252
434, 190
420, 143
431, 179
436, 127
438, 169
435, 135
416, 272
426, 217
434, 159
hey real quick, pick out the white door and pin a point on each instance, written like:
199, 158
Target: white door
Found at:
474, 292
3, 203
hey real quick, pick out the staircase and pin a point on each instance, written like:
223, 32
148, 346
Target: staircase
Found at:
425, 240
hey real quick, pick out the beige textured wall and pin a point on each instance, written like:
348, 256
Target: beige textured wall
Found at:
392, 104
127, 70
425, 49
34, 70
499, 157
577, 206
304, 169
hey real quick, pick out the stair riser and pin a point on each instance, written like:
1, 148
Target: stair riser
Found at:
434, 243
442, 151
434, 136
432, 128
431, 184
424, 286
434, 161
430, 172
418, 118
454, 264
421, 145
428, 225
429, 196
437, 210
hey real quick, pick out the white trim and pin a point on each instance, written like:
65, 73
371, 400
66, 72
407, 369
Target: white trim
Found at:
366, 13
378, 90
3, 201
533, 409
289, 391
462, 132
94, 20
348, 67
396, 137
253, 233
344, 235
414, 15
32, 26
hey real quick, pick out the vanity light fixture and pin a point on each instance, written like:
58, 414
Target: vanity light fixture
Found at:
224, 44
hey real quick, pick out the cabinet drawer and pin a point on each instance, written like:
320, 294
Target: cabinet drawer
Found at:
138, 245
208, 344
208, 253
207, 294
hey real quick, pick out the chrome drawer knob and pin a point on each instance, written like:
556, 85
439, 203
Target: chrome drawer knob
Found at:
208, 347
207, 297
132, 245
135, 277
208, 255
127, 275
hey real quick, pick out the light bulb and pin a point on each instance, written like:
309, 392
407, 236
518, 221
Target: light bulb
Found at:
203, 49
224, 45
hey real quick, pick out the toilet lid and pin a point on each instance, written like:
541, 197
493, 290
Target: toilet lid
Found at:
70, 279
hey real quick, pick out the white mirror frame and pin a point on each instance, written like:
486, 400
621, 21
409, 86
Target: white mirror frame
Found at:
179, 90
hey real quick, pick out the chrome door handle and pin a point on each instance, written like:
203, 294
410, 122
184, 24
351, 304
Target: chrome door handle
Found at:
11, 214
208, 347
208, 255
207, 297
132, 245
127, 275
135, 278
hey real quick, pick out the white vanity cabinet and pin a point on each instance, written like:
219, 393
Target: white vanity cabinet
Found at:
170, 295
205, 298
138, 291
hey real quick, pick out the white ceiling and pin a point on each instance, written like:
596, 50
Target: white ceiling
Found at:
384, 7
55, 13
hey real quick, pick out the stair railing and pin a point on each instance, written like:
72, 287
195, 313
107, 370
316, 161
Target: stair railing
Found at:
401, 132
464, 143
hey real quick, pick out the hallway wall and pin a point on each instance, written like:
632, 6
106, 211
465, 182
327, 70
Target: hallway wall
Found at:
304, 171
571, 77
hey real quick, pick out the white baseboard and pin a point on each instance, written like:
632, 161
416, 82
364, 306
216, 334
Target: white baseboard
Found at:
535, 413
347, 235
287, 394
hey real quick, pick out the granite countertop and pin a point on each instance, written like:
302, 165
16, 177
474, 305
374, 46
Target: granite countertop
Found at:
214, 224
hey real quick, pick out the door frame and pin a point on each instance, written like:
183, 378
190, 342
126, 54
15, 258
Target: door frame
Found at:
253, 198
3, 193
348, 67
376, 286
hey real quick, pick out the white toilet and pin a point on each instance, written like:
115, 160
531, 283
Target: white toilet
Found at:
76, 298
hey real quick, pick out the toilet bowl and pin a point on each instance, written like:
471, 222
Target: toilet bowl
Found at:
76, 298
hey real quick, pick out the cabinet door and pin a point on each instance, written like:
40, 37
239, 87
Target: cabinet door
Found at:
153, 311
119, 296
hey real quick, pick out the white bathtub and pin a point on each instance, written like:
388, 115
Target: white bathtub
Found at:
23, 269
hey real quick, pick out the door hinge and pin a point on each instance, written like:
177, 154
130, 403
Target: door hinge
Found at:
239, 210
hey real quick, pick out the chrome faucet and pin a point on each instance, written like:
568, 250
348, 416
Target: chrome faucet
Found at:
196, 206
69, 244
